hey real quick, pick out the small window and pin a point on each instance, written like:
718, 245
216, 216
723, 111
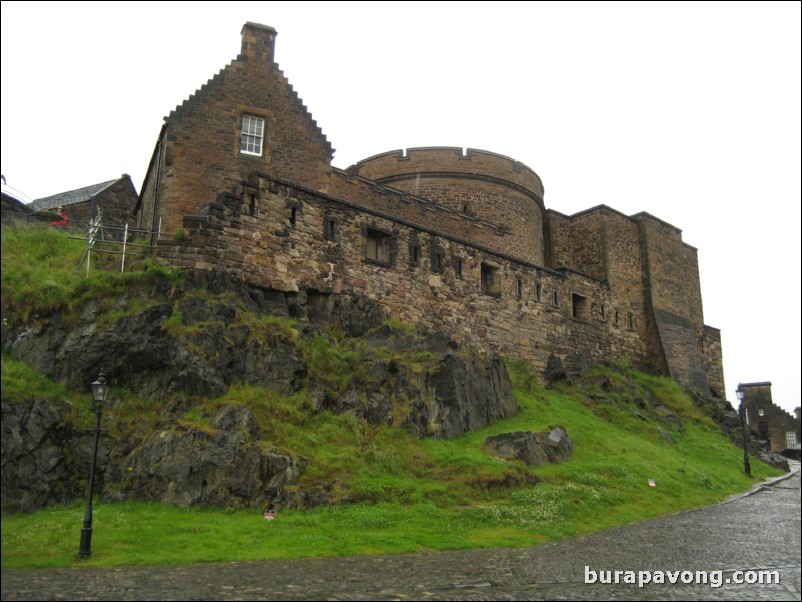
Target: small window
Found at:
414, 253
458, 267
252, 135
555, 298
615, 317
579, 307
602, 313
519, 287
538, 292
293, 216
631, 321
251, 204
330, 228
438, 260
760, 412
491, 280
790, 438
378, 246
466, 208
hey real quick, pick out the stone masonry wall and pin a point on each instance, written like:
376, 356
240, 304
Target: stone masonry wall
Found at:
674, 331
557, 239
624, 268
485, 186
587, 236
284, 246
712, 355
433, 160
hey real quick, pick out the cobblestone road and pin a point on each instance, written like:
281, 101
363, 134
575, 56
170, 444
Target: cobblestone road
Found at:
760, 531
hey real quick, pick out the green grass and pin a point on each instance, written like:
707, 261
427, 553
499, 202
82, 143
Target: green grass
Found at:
43, 272
394, 492
411, 494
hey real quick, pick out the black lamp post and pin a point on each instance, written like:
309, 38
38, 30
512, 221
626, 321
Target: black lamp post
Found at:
744, 432
100, 391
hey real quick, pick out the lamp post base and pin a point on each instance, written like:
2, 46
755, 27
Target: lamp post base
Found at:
86, 543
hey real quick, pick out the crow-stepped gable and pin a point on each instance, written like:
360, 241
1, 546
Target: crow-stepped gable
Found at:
451, 239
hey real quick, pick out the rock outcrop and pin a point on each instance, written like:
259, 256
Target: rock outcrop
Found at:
224, 465
446, 393
42, 453
185, 342
551, 447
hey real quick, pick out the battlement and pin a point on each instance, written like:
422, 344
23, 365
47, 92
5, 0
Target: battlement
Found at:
479, 184
441, 160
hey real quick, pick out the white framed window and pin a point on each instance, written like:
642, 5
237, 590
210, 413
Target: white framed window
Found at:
790, 438
760, 412
252, 135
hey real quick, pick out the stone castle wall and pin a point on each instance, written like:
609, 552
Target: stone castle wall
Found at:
283, 246
453, 240
479, 185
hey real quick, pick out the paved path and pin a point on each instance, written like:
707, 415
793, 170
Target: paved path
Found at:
757, 531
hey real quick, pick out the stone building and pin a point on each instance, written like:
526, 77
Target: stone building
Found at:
116, 199
241, 178
766, 419
11, 204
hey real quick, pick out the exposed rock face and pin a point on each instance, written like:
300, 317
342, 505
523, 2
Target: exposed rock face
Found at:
222, 466
555, 370
186, 343
46, 460
443, 396
199, 341
41, 452
550, 447
453, 397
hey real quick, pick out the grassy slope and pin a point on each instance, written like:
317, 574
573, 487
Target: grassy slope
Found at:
411, 494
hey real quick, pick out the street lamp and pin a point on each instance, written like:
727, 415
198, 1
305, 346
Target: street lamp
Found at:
742, 413
100, 391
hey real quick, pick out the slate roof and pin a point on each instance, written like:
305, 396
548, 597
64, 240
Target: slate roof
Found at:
64, 199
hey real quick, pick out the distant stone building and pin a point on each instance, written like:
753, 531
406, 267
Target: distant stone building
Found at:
241, 179
766, 419
116, 199
13, 207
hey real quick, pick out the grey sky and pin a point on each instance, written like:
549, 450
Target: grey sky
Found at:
688, 111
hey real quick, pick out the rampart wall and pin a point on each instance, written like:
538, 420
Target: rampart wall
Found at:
284, 245
477, 184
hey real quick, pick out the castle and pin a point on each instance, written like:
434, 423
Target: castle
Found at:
451, 240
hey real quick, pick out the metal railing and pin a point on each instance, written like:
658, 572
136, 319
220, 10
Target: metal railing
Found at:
121, 240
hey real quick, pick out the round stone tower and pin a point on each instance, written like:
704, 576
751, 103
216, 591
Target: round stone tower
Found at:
483, 186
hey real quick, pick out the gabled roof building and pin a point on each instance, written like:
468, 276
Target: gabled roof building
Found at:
115, 198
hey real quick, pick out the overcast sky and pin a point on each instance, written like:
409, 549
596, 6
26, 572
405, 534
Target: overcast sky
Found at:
688, 111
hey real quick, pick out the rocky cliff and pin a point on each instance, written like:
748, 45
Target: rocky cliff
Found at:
174, 346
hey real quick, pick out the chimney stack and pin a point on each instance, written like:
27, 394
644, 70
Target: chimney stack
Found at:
258, 42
